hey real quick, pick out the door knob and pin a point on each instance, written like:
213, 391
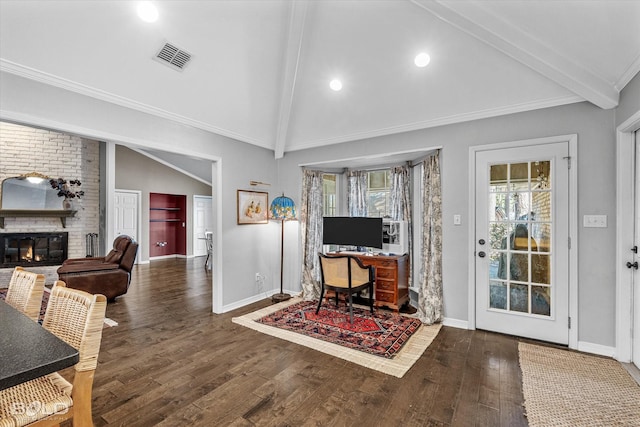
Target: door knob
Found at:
481, 241
481, 254
634, 265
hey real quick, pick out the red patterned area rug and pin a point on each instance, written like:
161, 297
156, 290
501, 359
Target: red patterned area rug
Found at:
108, 323
382, 333
387, 342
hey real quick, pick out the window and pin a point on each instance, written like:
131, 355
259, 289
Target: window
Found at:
329, 194
379, 193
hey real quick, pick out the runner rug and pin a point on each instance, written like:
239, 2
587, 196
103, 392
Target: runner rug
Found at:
386, 342
566, 388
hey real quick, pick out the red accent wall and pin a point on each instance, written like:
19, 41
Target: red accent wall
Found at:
167, 224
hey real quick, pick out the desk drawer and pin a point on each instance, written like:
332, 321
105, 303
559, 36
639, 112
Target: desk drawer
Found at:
387, 264
385, 285
386, 273
385, 296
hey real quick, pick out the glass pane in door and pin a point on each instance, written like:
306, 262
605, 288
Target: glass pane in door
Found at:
520, 227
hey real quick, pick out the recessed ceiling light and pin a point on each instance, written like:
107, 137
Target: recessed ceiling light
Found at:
335, 84
422, 60
147, 11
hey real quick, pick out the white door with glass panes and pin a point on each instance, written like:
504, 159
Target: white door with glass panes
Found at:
522, 241
202, 222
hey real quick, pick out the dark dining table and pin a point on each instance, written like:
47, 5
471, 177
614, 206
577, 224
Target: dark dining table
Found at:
27, 350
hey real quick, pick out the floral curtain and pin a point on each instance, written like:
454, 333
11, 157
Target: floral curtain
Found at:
357, 192
401, 202
400, 193
311, 232
430, 305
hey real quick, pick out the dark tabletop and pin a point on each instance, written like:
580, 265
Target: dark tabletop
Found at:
27, 350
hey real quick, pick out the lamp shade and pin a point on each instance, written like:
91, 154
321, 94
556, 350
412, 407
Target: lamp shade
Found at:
283, 208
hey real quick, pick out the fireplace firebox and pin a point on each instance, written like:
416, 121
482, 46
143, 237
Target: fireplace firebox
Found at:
32, 249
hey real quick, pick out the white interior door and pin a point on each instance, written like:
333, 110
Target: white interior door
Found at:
634, 262
203, 221
522, 241
126, 213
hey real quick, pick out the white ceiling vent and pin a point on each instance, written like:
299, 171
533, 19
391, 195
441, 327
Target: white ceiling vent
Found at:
173, 56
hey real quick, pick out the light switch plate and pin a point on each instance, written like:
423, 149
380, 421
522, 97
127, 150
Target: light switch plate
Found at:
457, 219
595, 221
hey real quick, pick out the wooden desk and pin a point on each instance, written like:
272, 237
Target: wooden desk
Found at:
392, 279
27, 350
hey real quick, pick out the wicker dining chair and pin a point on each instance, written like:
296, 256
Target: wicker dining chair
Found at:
77, 318
25, 292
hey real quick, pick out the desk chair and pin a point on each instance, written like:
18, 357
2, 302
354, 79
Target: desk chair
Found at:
346, 274
77, 318
25, 292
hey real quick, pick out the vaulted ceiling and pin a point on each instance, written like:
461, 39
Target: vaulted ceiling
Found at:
260, 70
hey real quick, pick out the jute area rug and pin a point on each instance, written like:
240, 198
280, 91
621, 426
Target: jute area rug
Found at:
397, 366
565, 388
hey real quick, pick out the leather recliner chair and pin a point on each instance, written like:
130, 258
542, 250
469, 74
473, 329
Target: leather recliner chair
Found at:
109, 275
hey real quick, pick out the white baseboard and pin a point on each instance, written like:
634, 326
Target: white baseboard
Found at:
247, 301
255, 298
600, 350
455, 323
153, 258
172, 256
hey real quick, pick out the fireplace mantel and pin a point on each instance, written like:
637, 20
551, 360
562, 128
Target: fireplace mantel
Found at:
63, 214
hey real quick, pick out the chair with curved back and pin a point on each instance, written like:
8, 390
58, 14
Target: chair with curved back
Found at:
25, 292
109, 275
77, 318
345, 274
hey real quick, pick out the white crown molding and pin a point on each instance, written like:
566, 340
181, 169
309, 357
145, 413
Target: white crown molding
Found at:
474, 19
629, 74
441, 121
297, 19
52, 80
25, 119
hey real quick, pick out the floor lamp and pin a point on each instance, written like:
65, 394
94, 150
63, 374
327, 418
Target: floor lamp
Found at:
282, 209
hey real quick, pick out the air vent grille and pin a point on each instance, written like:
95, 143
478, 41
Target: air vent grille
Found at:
173, 56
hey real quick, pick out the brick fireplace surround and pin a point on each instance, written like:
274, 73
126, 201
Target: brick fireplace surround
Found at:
26, 149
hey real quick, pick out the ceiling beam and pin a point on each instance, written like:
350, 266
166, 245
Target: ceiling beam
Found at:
298, 12
476, 20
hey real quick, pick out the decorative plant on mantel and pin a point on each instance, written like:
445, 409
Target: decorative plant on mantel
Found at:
67, 190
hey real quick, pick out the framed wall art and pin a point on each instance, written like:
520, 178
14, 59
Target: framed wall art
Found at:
253, 207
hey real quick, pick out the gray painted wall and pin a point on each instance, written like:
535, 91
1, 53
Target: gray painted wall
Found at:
247, 248
134, 171
629, 100
596, 166
250, 249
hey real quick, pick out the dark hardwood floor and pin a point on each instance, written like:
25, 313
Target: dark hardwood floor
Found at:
171, 362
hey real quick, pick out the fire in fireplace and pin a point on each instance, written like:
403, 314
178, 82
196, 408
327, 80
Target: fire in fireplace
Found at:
32, 249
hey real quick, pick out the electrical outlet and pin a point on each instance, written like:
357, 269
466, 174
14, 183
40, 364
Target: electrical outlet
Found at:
259, 281
595, 221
